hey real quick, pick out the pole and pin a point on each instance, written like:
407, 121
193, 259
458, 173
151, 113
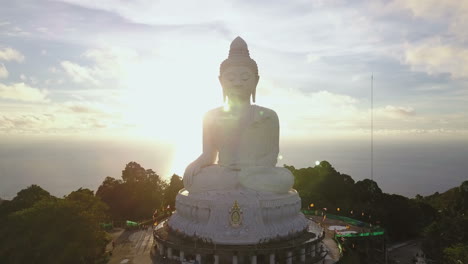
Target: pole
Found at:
372, 126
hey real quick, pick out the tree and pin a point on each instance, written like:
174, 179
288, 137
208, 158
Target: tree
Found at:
446, 238
89, 204
112, 193
175, 185
136, 196
323, 186
367, 190
133, 172
456, 254
24, 199
54, 230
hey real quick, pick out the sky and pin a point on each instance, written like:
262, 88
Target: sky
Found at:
147, 70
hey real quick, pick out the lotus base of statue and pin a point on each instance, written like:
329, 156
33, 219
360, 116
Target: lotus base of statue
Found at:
238, 216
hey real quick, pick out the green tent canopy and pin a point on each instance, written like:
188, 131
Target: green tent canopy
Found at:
131, 223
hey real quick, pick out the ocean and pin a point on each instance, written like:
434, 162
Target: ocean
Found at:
61, 166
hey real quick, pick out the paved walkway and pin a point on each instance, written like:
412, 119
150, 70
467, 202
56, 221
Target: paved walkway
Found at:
405, 252
133, 247
333, 251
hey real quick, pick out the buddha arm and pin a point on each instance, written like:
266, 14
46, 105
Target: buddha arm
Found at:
271, 135
208, 156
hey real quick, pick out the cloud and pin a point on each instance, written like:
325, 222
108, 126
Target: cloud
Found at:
434, 58
84, 107
395, 112
81, 109
74, 118
306, 113
159, 12
431, 8
174, 54
452, 12
3, 71
112, 54
9, 54
25, 122
324, 113
79, 73
12, 31
444, 50
109, 63
22, 92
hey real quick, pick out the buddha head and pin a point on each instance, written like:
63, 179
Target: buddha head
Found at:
238, 74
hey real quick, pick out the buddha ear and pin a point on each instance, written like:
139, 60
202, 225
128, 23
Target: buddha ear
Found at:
224, 91
253, 94
254, 91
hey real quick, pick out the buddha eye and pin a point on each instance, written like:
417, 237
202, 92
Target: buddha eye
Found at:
230, 76
245, 76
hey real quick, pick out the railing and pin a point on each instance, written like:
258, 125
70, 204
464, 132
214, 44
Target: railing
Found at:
375, 230
200, 246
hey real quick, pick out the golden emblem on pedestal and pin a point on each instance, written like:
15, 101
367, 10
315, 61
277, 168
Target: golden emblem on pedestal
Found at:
235, 215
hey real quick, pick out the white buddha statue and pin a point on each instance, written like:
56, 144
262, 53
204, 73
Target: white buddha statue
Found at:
234, 193
244, 137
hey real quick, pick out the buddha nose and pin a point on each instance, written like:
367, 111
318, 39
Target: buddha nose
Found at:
237, 83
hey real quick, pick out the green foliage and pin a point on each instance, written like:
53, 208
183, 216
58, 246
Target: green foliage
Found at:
53, 230
446, 237
34, 225
324, 187
402, 217
90, 205
452, 201
367, 191
441, 218
175, 185
24, 199
133, 172
456, 254
136, 196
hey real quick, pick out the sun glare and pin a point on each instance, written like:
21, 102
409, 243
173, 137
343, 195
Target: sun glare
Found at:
160, 104
226, 106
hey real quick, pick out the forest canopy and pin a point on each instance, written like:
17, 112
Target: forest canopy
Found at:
40, 222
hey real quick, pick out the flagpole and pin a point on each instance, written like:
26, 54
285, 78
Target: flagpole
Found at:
372, 126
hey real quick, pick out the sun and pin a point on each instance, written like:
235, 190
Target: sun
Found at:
165, 94
170, 109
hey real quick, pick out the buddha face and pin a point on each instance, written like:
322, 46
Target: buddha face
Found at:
238, 83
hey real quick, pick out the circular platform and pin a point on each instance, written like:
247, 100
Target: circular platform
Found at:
303, 247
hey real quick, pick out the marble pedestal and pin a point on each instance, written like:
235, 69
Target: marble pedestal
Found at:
238, 216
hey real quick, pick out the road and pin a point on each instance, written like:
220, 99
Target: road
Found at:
133, 246
404, 252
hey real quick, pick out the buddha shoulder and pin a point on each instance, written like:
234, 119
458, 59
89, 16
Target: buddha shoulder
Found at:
262, 113
259, 113
213, 114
